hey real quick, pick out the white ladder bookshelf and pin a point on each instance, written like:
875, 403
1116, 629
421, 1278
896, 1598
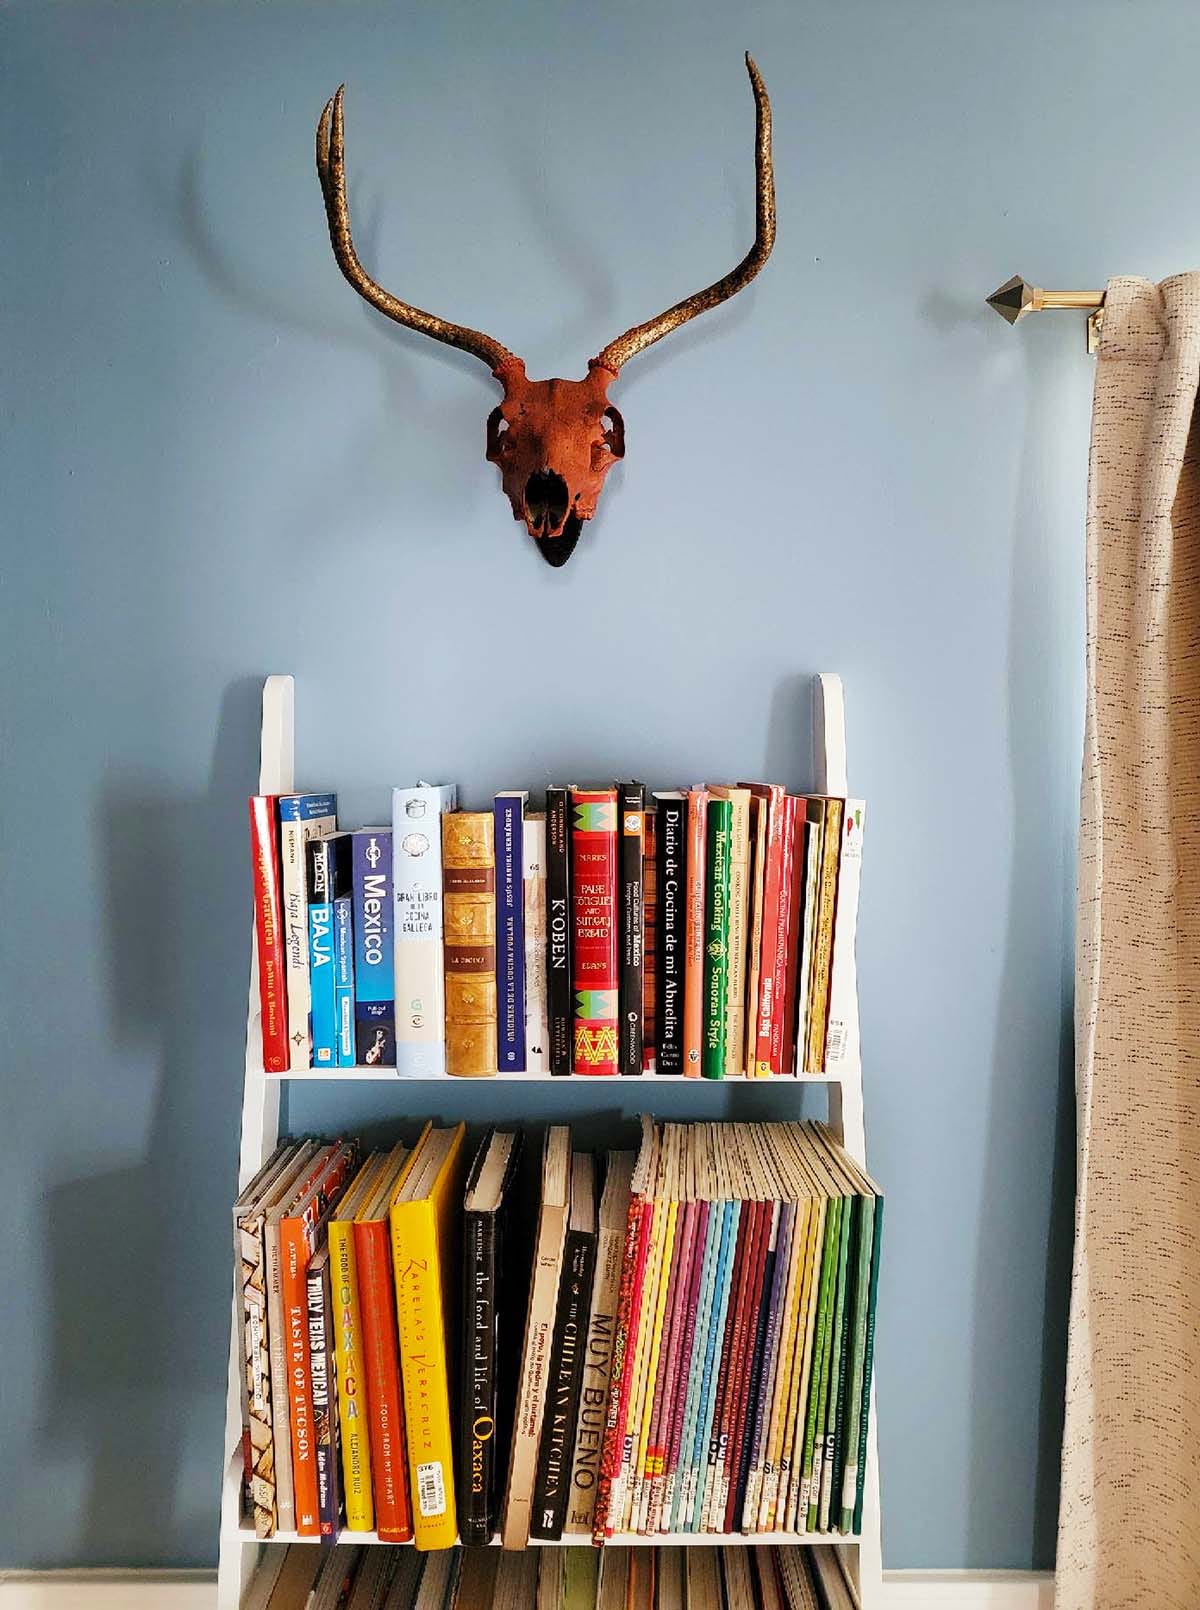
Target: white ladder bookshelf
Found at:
240, 1550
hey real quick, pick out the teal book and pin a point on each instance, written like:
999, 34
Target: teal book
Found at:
846, 1468
712, 1360
716, 940
823, 1468
868, 1361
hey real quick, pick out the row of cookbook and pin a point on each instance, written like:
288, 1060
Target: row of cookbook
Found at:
704, 932
350, 1577
669, 1341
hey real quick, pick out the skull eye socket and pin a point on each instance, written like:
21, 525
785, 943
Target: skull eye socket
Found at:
614, 434
497, 434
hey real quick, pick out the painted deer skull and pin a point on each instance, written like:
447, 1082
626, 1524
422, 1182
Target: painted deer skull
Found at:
554, 441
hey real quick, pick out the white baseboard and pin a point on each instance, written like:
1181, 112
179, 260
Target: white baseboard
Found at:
196, 1590
968, 1590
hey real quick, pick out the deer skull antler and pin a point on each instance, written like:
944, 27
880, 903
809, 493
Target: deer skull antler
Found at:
553, 440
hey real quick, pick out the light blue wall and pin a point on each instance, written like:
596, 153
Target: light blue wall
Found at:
217, 463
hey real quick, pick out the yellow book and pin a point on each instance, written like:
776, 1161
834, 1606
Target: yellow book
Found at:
783, 1376
425, 1220
348, 1350
739, 925
640, 1471
818, 998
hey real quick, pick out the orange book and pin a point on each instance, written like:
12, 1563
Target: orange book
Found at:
299, 1234
693, 942
385, 1402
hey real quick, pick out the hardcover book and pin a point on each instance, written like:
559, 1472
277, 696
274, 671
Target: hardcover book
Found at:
343, 979
558, 928
301, 817
841, 1044
598, 1349
818, 1004
739, 919
510, 930
671, 884
487, 1208
469, 876
650, 944
325, 1421
374, 951
695, 932
350, 1373
631, 817
425, 1253
758, 848
537, 1025
765, 1003
595, 954
565, 1373
328, 879
539, 1326
716, 939
268, 932
417, 896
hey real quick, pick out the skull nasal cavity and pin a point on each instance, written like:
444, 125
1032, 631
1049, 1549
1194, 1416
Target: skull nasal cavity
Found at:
546, 500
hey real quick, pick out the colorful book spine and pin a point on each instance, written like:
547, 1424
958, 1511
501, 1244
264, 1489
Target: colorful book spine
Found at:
841, 1043
417, 927
776, 894
694, 932
328, 873
595, 958
806, 855
469, 881
301, 817
343, 979
671, 880
374, 951
350, 1375
868, 1365
739, 918
818, 1006
476, 1475
509, 809
631, 817
268, 932
389, 1470
552, 1483
294, 1249
716, 947
325, 1421
558, 928
650, 945
758, 847
537, 1022
628, 1297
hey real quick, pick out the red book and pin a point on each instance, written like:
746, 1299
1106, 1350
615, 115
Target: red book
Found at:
385, 1401
650, 943
594, 925
693, 964
678, 1390
299, 1234
772, 972
797, 811
629, 1301
743, 1408
268, 932
747, 1220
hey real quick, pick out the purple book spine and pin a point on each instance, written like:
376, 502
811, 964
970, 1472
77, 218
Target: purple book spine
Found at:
510, 931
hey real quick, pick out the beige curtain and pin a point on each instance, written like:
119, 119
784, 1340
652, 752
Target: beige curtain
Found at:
1129, 1524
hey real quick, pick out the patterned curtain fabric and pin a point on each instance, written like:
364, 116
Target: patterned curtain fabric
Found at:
1129, 1524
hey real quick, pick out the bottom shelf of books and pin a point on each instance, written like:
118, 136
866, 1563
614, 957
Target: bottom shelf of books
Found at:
350, 1577
526, 1342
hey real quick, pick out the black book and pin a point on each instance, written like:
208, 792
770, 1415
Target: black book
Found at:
483, 1429
631, 824
558, 927
326, 1441
672, 928
556, 1446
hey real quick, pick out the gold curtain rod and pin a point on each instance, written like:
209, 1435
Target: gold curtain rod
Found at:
1017, 297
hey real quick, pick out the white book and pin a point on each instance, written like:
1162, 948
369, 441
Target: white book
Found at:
417, 928
841, 1039
301, 817
537, 1021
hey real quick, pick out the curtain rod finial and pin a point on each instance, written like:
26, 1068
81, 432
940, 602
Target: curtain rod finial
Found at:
1013, 299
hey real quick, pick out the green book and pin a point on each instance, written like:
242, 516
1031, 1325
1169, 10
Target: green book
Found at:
580, 1575
868, 1361
818, 1385
716, 938
823, 1486
846, 1471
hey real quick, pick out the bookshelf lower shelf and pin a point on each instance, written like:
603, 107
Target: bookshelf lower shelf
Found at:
562, 1081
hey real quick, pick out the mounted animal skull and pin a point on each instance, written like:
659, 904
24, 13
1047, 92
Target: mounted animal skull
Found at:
554, 441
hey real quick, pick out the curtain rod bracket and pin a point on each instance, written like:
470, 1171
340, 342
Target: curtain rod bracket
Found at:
1017, 296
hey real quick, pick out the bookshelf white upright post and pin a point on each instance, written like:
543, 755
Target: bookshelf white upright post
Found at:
240, 1551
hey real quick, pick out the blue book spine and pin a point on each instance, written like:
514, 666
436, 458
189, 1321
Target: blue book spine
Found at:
510, 931
320, 962
374, 965
343, 979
